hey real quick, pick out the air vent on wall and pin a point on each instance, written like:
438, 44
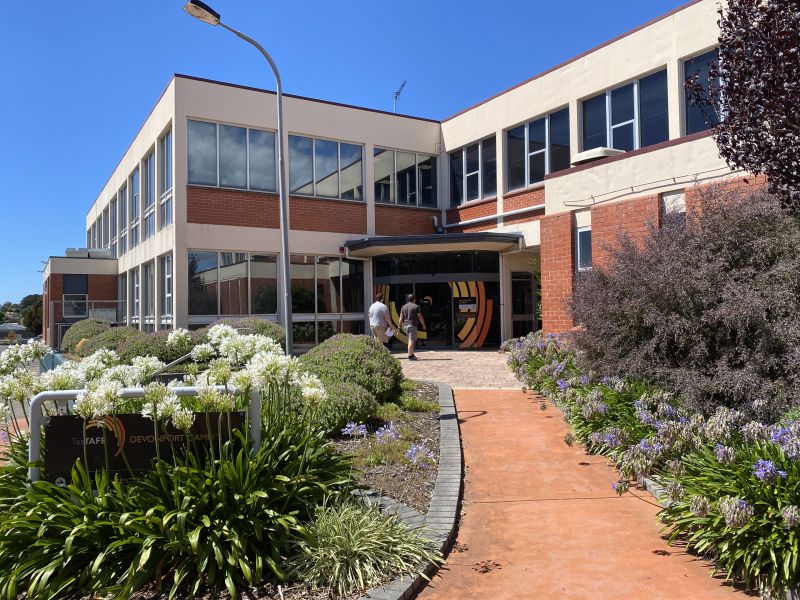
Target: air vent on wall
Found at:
594, 154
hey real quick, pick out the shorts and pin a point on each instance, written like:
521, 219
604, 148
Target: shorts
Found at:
411, 332
379, 332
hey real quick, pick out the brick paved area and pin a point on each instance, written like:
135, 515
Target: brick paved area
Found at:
541, 521
461, 369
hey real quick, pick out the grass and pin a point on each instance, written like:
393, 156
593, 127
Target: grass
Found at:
411, 403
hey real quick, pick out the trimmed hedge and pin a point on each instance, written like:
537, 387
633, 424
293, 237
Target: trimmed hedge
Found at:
110, 339
155, 344
358, 359
82, 330
258, 326
345, 402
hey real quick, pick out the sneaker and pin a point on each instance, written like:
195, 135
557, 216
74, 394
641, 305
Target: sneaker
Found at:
412, 357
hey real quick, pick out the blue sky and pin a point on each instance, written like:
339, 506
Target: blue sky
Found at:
79, 80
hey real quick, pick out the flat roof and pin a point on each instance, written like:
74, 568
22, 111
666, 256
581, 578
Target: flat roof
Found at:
436, 242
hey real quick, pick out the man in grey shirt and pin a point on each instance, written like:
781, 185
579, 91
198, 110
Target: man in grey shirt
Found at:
409, 318
379, 321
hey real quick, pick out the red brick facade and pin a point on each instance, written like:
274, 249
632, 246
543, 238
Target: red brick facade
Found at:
404, 220
523, 199
558, 271
473, 210
103, 287
53, 289
633, 217
212, 206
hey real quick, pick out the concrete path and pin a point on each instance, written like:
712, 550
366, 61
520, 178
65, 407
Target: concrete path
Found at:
541, 521
461, 369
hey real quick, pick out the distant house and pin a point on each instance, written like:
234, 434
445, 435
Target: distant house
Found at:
20, 331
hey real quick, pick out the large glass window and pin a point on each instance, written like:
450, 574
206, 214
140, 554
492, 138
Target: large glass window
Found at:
628, 117
303, 284
231, 156
538, 148
704, 116
149, 296
149, 191
166, 285
325, 168
233, 292
133, 288
133, 196
583, 248
263, 284
112, 223
262, 160
122, 298
202, 151
122, 203
165, 178
404, 177
473, 172
352, 285
203, 279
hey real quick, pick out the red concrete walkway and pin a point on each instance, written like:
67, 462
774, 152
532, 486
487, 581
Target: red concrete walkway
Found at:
540, 519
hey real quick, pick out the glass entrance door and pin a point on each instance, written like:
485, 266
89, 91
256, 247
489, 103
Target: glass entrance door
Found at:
435, 304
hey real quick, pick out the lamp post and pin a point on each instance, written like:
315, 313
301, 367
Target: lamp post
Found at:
205, 13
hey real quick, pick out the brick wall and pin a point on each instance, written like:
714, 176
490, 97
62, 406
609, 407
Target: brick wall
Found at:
103, 287
473, 210
558, 271
695, 193
212, 206
53, 289
523, 199
632, 217
404, 220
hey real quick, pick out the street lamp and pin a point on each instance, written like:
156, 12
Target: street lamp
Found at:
206, 14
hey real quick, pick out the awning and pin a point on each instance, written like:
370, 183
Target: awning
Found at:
448, 242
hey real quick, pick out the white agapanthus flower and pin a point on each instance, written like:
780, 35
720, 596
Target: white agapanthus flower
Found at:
268, 369
310, 387
242, 380
35, 350
12, 360
182, 419
203, 353
66, 376
125, 375
210, 399
160, 402
98, 401
94, 365
218, 373
15, 387
220, 332
149, 365
178, 336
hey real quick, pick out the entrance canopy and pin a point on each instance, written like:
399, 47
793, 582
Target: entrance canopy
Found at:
450, 242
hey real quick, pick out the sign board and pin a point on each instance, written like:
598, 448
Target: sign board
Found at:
125, 437
467, 305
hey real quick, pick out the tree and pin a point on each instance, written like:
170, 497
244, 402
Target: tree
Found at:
758, 95
32, 316
28, 300
708, 307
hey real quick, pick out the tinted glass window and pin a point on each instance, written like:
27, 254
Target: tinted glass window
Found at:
473, 155
383, 165
585, 249
537, 135
327, 284
653, 115
202, 283
559, 141
594, 122
473, 186
264, 284
202, 151
699, 118
456, 178
622, 137
262, 160
352, 285
233, 293
326, 163
515, 144
622, 104
232, 156
406, 178
489, 167
303, 288
350, 157
536, 167
427, 180
301, 169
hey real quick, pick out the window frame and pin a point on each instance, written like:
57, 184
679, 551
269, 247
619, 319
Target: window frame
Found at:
547, 150
148, 190
683, 99
74, 300
166, 177
167, 291
313, 182
578, 232
394, 182
122, 216
134, 216
465, 175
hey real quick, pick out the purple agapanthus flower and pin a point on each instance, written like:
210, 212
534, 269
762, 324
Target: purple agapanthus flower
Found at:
563, 384
765, 470
354, 430
387, 433
419, 455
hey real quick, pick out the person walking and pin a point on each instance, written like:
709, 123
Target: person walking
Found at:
379, 321
410, 319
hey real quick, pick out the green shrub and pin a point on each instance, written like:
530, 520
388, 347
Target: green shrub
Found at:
388, 412
344, 402
754, 541
411, 403
156, 344
357, 358
82, 330
270, 329
351, 547
111, 339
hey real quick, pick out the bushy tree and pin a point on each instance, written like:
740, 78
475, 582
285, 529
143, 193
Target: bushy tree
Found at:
756, 89
709, 307
32, 316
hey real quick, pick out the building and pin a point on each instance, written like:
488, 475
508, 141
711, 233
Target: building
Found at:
487, 216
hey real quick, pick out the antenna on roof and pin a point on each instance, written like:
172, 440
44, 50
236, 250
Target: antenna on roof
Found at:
397, 94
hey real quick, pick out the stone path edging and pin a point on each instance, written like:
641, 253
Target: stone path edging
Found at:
442, 517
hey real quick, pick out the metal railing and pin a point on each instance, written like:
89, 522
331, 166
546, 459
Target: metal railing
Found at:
38, 418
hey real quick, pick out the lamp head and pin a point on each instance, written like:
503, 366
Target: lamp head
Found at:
201, 10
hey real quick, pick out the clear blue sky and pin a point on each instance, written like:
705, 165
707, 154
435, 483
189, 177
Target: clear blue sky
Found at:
79, 78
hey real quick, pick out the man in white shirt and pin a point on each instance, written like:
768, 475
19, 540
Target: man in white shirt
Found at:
379, 321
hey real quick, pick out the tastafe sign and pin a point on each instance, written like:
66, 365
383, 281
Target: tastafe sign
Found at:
128, 437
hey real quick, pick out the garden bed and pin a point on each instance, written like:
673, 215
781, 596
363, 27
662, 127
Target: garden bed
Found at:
385, 468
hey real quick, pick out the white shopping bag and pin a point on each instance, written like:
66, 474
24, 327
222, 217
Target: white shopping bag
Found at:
389, 333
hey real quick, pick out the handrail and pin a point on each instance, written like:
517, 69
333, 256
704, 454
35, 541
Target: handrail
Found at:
37, 418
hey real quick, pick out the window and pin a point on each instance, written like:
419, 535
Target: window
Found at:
583, 248
75, 306
473, 172
166, 286
231, 156
112, 223
93, 243
628, 117
538, 148
149, 192
133, 197
165, 178
325, 168
122, 298
404, 177
263, 284
699, 118
133, 288
233, 292
149, 295
122, 203
203, 277
104, 220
